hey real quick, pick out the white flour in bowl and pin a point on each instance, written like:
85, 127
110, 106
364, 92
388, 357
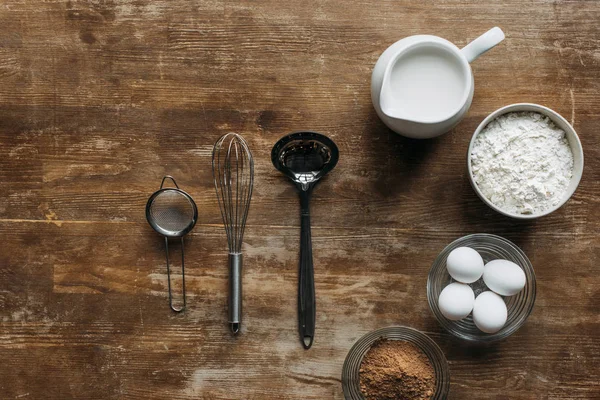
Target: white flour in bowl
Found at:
522, 162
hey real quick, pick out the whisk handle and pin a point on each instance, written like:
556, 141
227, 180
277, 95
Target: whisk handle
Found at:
235, 292
306, 280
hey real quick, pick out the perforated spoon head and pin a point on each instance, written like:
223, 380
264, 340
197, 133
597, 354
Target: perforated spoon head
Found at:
305, 157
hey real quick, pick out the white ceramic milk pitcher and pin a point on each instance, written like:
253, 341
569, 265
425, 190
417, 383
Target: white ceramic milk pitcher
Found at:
422, 85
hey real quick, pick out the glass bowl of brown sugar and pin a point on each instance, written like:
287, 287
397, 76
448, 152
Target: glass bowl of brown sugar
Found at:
395, 362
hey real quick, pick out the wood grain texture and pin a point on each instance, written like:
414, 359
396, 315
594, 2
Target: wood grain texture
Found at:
99, 99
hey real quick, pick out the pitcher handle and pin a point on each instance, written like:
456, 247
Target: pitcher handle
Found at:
483, 43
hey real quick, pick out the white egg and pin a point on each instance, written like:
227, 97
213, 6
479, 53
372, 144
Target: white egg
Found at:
464, 264
504, 277
489, 312
456, 301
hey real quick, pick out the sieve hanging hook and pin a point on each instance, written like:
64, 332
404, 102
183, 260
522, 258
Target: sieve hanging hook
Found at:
172, 213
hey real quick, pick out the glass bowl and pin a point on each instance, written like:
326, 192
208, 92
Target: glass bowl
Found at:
350, 371
491, 247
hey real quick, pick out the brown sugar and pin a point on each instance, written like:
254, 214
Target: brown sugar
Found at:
396, 369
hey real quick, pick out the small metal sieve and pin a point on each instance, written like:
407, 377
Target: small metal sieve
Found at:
172, 213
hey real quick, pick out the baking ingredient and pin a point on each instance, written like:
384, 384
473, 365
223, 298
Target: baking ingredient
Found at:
456, 301
427, 84
522, 163
464, 264
396, 369
504, 277
489, 312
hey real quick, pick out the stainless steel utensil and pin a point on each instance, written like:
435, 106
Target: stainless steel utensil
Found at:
305, 157
172, 213
233, 172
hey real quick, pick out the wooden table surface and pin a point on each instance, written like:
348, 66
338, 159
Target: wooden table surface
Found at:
100, 99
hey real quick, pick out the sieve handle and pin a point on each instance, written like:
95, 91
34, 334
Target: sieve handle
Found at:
235, 291
176, 309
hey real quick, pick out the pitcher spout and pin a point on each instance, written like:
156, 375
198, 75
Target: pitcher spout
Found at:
389, 107
387, 102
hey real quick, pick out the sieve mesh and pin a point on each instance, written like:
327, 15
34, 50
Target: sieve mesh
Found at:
172, 212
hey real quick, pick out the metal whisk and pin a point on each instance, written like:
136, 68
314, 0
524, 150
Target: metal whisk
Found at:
233, 172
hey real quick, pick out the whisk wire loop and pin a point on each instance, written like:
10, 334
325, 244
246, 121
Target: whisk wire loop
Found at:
233, 171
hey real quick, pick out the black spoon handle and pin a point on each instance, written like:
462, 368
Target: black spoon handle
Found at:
306, 280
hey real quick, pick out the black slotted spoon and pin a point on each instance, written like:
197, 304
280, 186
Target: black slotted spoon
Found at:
305, 157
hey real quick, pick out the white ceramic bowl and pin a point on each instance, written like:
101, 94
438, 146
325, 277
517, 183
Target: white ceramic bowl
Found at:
572, 138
